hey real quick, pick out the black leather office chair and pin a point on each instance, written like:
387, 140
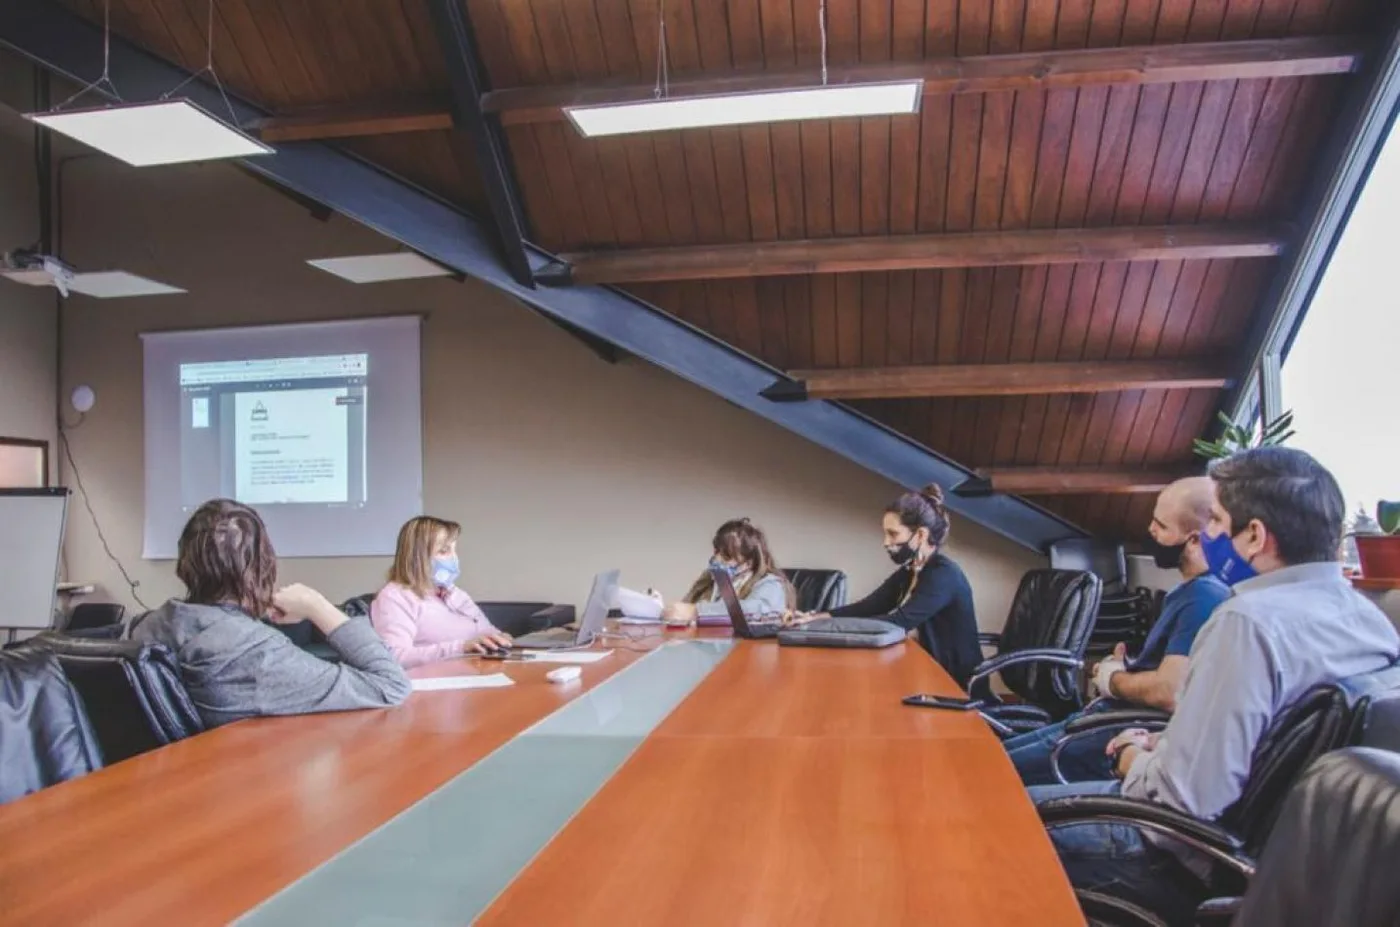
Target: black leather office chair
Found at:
818, 590
1330, 861
94, 615
131, 690
45, 736
1040, 651
1361, 711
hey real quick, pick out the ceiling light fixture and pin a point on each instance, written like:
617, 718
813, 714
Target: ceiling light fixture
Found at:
665, 113
166, 131
377, 268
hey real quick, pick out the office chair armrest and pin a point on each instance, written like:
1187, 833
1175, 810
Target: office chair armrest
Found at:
1118, 717
1100, 908
1088, 725
1218, 912
1203, 836
984, 671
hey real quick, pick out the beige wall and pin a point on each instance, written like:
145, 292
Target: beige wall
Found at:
557, 463
28, 327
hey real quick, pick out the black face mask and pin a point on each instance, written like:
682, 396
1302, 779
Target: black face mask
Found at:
1166, 557
904, 552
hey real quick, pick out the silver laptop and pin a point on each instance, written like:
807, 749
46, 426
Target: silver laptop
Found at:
589, 624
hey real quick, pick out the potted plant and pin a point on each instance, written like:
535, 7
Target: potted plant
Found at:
1379, 550
1235, 438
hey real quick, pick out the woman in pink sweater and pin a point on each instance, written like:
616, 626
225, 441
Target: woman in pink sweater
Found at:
421, 614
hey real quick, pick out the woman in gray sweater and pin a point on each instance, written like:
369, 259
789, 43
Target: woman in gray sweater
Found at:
234, 664
741, 550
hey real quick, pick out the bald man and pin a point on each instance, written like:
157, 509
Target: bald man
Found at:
1152, 678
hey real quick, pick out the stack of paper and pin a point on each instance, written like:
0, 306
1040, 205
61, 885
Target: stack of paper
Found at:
441, 683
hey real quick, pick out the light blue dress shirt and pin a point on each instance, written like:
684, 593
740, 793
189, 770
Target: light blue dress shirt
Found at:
1279, 635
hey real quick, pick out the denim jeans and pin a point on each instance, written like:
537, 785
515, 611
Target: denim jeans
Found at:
1081, 761
1116, 859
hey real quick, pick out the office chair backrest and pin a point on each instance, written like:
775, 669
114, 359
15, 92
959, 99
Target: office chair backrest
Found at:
1331, 859
131, 690
357, 606
91, 615
1325, 718
45, 737
1052, 608
1105, 559
818, 590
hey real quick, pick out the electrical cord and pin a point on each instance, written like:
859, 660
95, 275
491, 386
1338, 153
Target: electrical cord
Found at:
87, 503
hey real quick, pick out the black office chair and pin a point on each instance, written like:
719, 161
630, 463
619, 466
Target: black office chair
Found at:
131, 690
45, 736
1330, 861
818, 590
95, 616
1363, 710
1040, 651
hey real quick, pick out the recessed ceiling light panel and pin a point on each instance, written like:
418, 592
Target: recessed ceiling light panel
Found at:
114, 284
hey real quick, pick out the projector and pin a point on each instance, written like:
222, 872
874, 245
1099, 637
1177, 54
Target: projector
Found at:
31, 268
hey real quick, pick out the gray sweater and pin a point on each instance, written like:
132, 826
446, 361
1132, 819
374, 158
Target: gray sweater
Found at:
767, 597
237, 667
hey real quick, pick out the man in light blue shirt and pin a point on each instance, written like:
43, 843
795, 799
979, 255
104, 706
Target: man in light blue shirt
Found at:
1294, 622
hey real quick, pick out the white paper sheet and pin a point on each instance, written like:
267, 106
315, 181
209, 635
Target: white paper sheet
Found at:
567, 656
441, 683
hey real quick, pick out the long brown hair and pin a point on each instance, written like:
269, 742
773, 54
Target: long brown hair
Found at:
225, 558
744, 541
419, 539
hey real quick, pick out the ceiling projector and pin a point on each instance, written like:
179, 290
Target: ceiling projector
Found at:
29, 267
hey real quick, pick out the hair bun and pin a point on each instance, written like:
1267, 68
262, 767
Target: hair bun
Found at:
934, 494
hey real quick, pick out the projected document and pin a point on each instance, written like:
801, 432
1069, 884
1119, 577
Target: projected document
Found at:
291, 446
276, 431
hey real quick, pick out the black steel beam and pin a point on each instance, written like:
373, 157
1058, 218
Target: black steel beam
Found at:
467, 77
66, 44
1363, 126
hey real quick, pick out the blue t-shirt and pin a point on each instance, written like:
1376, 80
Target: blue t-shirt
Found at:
1184, 611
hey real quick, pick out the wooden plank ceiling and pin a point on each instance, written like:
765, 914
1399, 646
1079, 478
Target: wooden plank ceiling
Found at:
914, 242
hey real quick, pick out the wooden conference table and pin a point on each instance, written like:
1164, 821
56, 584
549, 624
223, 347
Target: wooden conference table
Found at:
791, 786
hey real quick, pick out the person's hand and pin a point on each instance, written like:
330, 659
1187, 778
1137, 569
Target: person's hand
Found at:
803, 617
1132, 737
492, 640
1120, 652
679, 613
293, 603
1104, 672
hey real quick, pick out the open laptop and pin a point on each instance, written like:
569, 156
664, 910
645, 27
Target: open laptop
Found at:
590, 623
767, 626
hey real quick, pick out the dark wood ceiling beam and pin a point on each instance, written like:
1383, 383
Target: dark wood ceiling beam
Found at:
1154, 64
1055, 481
944, 380
324, 122
922, 252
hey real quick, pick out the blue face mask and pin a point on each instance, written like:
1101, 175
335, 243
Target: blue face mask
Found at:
717, 564
1224, 561
445, 571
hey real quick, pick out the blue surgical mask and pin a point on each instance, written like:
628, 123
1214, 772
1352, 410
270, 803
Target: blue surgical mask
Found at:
445, 571
717, 564
1224, 561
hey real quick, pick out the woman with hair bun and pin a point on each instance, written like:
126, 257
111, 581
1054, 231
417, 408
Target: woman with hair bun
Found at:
929, 592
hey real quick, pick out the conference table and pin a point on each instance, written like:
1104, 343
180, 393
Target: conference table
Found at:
684, 779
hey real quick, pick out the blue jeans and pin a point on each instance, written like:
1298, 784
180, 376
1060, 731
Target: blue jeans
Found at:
1081, 761
1115, 859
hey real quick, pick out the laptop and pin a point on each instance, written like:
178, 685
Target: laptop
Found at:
590, 623
757, 629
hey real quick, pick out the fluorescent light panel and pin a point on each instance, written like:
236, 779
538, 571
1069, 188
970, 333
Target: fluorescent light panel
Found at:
376, 268
144, 134
29, 277
831, 102
114, 284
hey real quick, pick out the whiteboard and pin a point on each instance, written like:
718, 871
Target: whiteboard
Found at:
31, 541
